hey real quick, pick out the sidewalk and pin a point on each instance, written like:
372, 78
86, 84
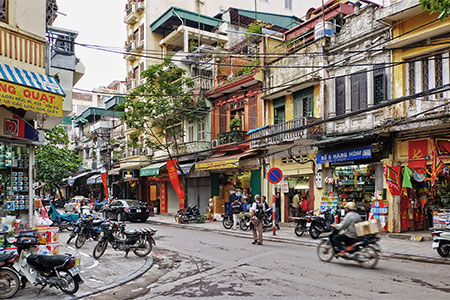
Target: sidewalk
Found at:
392, 246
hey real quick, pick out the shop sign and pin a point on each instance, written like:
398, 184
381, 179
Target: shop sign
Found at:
284, 187
13, 126
217, 165
345, 155
128, 175
30, 99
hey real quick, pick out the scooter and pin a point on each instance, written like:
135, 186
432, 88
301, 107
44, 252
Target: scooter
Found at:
10, 279
365, 250
441, 241
321, 223
303, 223
57, 271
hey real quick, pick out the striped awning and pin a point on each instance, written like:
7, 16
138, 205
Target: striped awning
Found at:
30, 79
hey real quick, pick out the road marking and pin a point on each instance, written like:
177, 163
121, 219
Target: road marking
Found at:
82, 253
93, 265
95, 280
136, 290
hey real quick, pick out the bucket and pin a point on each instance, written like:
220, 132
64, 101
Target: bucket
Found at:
52, 235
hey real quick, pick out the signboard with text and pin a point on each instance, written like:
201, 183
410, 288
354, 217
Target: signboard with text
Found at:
345, 155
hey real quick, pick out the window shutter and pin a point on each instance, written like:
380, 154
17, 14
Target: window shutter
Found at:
252, 112
355, 92
362, 90
340, 95
310, 109
141, 32
379, 84
223, 119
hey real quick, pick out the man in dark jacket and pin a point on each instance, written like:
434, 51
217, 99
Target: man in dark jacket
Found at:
236, 209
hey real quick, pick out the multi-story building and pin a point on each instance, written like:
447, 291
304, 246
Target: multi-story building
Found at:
35, 90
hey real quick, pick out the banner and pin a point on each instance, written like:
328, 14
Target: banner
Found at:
436, 167
105, 185
163, 204
13, 126
417, 150
173, 176
30, 99
442, 146
392, 175
345, 155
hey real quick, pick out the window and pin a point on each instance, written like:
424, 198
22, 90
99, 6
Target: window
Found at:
201, 130
279, 111
438, 73
222, 119
340, 95
304, 103
141, 32
190, 131
4, 11
379, 84
359, 91
425, 75
412, 78
252, 112
288, 4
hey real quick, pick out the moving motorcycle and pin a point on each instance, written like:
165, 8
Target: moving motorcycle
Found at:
365, 250
189, 214
321, 223
138, 242
89, 228
57, 271
441, 241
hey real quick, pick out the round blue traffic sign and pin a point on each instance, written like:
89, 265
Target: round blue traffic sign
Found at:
274, 175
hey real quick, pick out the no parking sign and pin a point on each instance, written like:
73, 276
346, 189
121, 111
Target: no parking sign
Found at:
274, 175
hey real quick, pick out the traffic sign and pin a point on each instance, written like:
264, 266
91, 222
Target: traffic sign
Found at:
274, 175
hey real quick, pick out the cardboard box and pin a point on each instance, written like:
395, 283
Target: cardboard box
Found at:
374, 226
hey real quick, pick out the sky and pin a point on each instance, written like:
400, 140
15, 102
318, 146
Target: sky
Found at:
99, 22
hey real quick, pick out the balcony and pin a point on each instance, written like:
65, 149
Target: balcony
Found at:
137, 45
90, 164
131, 14
193, 147
140, 7
234, 136
129, 55
285, 132
101, 126
203, 83
118, 132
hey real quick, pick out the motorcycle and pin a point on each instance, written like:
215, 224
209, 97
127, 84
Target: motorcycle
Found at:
62, 221
303, 223
139, 242
58, 271
227, 221
10, 279
441, 241
365, 250
76, 230
189, 214
268, 219
321, 224
89, 228
244, 220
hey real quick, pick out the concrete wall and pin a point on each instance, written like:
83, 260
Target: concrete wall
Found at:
23, 15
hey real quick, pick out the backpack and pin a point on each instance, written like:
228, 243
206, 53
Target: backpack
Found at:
259, 213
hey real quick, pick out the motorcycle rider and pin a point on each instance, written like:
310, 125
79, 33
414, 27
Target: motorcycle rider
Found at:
348, 237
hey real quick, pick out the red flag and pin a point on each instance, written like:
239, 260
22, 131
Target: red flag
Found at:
392, 175
417, 150
442, 146
173, 176
105, 186
436, 167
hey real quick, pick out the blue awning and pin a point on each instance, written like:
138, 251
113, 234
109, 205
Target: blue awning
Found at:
257, 129
95, 179
30, 79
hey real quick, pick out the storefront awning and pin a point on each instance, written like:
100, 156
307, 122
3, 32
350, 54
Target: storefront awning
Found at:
32, 91
186, 168
114, 171
151, 170
71, 180
222, 162
95, 179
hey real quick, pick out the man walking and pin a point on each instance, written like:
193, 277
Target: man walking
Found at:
296, 204
257, 215
236, 208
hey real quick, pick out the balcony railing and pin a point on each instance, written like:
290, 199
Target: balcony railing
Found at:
203, 82
284, 132
118, 131
193, 147
131, 14
234, 136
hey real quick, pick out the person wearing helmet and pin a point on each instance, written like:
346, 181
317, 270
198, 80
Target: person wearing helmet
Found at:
348, 237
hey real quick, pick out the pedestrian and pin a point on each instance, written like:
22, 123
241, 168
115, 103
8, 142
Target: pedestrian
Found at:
277, 209
296, 204
257, 215
264, 203
236, 209
304, 205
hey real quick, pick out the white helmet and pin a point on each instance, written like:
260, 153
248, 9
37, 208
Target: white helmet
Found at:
350, 205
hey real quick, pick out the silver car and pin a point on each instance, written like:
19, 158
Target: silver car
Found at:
74, 204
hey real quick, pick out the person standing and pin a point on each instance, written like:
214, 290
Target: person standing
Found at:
236, 208
296, 204
277, 209
304, 205
257, 215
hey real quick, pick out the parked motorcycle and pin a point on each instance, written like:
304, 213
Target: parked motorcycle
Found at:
365, 250
76, 230
10, 279
62, 221
227, 221
268, 219
441, 241
188, 215
89, 229
139, 242
57, 271
321, 223
303, 223
244, 220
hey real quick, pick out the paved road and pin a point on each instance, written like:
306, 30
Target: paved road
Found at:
203, 264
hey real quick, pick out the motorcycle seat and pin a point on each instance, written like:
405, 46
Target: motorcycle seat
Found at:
130, 232
6, 257
97, 222
48, 261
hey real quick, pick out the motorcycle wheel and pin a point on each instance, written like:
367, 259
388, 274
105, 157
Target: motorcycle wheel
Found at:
325, 251
184, 219
119, 217
444, 252
81, 239
314, 232
368, 257
71, 237
200, 219
299, 230
9, 283
145, 250
99, 249
70, 285
227, 222
244, 225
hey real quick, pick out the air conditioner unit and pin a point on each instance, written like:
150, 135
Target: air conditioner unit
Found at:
214, 143
148, 151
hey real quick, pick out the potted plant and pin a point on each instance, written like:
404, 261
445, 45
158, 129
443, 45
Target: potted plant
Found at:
235, 124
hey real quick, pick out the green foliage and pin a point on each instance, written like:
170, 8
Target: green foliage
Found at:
437, 6
54, 163
157, 109
193, 45
254, 28
235, 123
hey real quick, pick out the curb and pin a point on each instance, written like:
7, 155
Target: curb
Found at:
141, 271
386, 253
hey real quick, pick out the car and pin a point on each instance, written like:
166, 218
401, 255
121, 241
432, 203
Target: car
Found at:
73, 205
126, 209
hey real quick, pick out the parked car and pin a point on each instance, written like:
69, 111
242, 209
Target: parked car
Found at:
126, 209
73, 205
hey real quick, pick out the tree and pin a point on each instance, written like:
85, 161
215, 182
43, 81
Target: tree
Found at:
54, 160
437, 6
158, 109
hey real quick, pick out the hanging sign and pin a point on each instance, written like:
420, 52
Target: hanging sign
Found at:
284, 187
417, 150
163, 204
173, 176
105, 186
274, 175
345, 155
